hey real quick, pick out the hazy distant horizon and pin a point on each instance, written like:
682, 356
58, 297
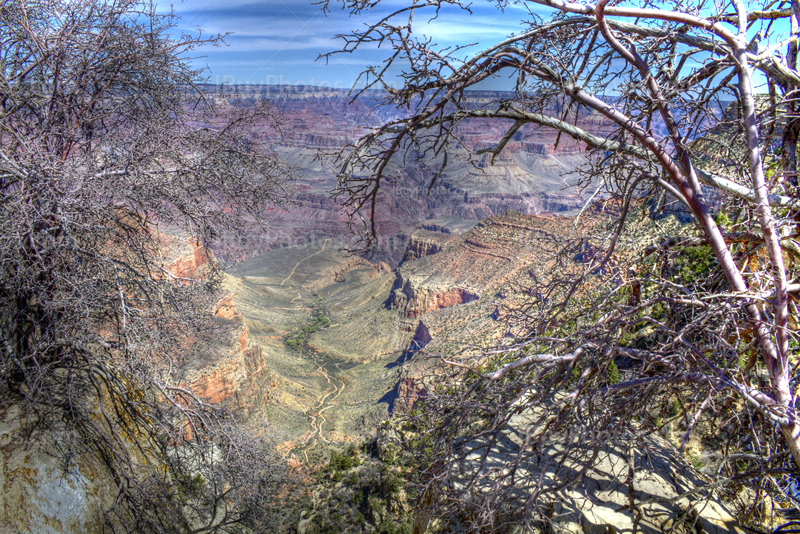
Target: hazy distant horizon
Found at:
277, 42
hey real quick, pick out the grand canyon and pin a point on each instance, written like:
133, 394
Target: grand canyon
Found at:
481, 223
536, 273
446, 270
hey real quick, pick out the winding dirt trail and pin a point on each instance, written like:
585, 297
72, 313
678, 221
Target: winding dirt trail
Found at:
316, 415
338, 390
324, 243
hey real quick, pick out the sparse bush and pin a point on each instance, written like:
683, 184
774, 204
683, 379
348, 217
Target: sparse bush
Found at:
365, 494
612, 373
104, 141
708, 307
319, 319
674, 408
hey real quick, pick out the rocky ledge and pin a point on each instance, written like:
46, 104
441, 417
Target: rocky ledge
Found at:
237, 376
416, 297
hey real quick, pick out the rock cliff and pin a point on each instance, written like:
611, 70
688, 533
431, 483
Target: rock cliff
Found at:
233, 371
532, 175
188, 259
415, 298
421, 245
36, 495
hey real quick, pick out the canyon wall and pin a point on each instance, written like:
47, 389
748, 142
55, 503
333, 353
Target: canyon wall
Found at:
532, 175
237, 377
38, 496
414, 298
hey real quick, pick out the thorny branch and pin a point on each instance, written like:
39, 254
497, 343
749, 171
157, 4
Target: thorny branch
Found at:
663, 98
108, 153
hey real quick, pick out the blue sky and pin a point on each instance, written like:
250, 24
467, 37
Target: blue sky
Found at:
278, 41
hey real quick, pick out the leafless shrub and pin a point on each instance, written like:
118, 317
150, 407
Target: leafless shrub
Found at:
699, 315
104, 144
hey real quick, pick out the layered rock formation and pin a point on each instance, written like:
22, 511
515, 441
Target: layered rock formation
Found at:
350, 374
236, 376
231, 371
480, 263
421, 245
532, 175
460, 293
415, 298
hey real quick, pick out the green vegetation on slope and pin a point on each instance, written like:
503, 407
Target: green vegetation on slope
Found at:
319, 319
358, 493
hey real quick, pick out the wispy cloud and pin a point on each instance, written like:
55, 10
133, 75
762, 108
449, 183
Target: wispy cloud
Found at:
278, 35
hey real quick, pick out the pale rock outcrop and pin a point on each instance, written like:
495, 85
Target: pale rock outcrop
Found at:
416, 298
37, 496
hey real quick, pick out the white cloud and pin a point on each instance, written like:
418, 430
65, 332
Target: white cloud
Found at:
275, 36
